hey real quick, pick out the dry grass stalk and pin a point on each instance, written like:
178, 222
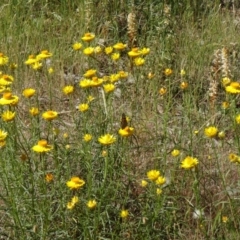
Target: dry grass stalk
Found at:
131, 29
88, 14
214, 77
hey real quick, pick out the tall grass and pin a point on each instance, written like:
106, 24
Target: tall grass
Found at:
170, 101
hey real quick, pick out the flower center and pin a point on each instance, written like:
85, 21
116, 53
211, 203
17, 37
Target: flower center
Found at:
42, 143
7, 95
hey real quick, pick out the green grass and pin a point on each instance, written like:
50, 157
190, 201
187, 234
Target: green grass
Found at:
180, 36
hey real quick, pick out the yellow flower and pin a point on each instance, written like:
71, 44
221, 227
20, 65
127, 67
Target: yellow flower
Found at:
28, 92
34, 111
49, 177
72, 203
211, 131
126, 132
67, 146
97, 49
90, 98
233, 158
8, 116
85, 83
182, 72
153, 175
3, 59
234, 88
8, 99
91, 204
68, 89
115, 56
4, 89
88, 37
13, 66
90, 73
237, 119
42, 146
75, 183
175, 152
108, 50
37, 65
124, 214
159, 191
135, 52
221, 135
88, 51
144, 183
31, 59
122, 74
114, 78
168, 71
107, 139
162, 91
183, 85
225, 105
2, 144
87, 137
75, 200
160, 180
44, 54
151, 75
96, 82
108, 87
83, 107
3, 135
77, 46
50, 115
6, 80
120, 46
65, 135
145, 51
104, 153
224, 219
139, 61
50, 70
226, 81
189, 162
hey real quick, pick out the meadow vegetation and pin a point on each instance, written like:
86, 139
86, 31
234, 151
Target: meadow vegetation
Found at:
119, 120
